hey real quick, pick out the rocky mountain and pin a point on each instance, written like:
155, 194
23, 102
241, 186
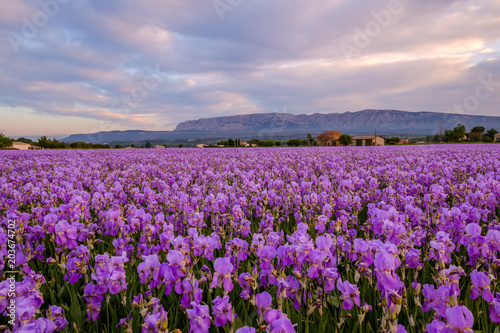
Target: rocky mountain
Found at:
361, 122
287, 125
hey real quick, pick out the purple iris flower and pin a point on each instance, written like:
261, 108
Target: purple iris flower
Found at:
56, 314
149, 270
495, 309
350, 294
73, 270
223, 270
40, 325
4, 292
480, 285
191, 292
263, 301
222, 311
156, 321
436, 326
66, 234
281, 325
266, 254
199, 318
459, 319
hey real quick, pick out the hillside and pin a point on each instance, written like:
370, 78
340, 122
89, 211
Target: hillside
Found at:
287, 125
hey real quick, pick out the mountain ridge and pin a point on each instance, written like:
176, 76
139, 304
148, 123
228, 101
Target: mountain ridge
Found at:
287, 125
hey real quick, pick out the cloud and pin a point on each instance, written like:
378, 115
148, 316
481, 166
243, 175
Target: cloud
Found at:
149, 65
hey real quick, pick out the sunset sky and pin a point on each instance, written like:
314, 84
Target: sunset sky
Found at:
82, 66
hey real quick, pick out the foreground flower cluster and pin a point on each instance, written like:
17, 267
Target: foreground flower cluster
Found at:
368, 239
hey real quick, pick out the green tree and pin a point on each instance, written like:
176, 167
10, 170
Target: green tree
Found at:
266, 143
310, 139
454, 135
293, 143
393, 140
230, 142
118, 146
304, 142
25, 140
44, 142
491, 133
277, 143
345, 139
132, 145
180, 146
148, 144
476, 134
5, 141
254, 142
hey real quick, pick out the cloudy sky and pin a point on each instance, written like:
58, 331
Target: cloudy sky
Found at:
81, 66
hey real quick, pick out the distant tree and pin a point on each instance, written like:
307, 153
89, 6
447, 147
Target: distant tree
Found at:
25, 140
73, 145
5, 141
180, 146
230, 142
293, 143
454, 135
132, 145
266, 143
43, 142
118, 146
99, 146
50, 143
491, 133
277, 143
393, 140
254, 142
304, 142
310, 139
345, 139
476, 133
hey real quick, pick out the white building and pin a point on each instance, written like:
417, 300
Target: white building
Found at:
496, 138
201, 145
23, 146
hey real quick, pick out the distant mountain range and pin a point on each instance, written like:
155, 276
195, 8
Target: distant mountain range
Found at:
287, 125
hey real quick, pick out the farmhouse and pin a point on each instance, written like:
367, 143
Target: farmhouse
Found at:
23, 146
496, 138
403, 141
201, 145
159, 146
368, 140
330, 138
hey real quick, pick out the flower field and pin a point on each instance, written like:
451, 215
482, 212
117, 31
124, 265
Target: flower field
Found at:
357, 239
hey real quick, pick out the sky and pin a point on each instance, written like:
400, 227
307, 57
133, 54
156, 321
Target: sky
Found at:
84, 66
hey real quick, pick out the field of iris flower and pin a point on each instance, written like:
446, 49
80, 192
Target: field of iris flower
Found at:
356, 239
